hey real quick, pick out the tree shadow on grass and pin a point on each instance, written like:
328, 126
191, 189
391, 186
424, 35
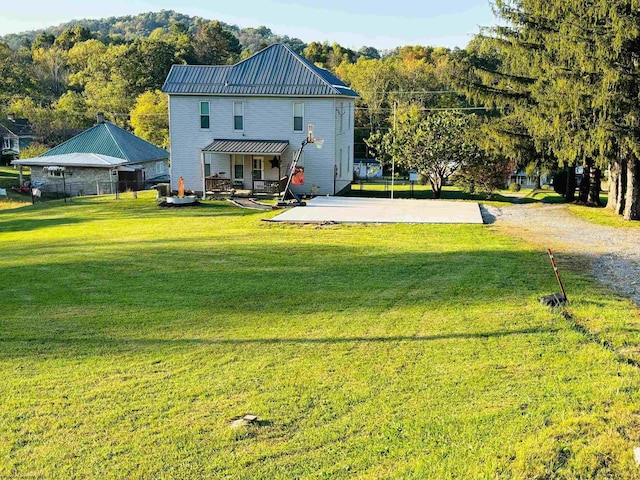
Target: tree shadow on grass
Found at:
260, 277
31, 224
69, 214
60, 346
157, 342
113, 301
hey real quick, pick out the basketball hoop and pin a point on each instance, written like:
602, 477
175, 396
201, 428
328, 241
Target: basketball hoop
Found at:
318, 142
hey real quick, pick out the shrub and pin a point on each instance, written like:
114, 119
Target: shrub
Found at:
484, 174
514, 187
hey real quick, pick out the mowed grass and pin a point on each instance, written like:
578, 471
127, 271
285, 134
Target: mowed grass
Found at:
602, 216
500, 198
133, 335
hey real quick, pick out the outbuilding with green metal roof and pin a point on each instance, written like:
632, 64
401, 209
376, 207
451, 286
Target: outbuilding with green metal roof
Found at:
102, 159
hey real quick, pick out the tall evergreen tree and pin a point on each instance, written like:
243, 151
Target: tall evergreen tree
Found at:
568, 70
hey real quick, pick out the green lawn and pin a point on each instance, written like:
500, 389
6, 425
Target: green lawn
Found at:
133, 335
602, 216
500, 198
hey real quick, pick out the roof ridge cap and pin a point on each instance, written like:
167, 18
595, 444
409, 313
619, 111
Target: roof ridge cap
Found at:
300, 59
257, 53
126, 157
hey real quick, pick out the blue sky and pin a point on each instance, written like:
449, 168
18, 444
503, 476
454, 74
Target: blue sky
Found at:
353, 23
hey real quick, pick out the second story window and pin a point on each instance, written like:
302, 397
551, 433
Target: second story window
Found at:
238, 116
204, 115
298, 116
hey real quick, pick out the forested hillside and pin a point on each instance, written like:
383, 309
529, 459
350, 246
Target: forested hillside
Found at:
130, 27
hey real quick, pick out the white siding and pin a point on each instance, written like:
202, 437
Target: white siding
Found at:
265, 118
344, 114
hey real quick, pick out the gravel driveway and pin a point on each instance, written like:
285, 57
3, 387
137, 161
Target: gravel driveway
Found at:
615, 252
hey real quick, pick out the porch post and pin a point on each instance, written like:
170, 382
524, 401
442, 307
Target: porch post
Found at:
204, 182
20, 175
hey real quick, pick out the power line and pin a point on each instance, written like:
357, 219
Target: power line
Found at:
425, 109
426, 92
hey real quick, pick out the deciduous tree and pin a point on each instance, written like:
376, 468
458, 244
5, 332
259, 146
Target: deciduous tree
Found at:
436, 145
150, 118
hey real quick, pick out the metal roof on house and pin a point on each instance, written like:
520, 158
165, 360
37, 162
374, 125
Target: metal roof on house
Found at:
20, 127
110, 140
248, 147
276, 70
92, 160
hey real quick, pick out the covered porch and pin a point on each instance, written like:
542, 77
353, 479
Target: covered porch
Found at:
255, 166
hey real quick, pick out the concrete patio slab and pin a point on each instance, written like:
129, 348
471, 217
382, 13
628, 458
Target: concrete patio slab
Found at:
379, 210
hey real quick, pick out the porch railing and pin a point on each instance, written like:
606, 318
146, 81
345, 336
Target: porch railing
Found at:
269, 186
216, 184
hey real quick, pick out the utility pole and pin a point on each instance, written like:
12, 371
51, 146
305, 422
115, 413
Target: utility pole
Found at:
393, 158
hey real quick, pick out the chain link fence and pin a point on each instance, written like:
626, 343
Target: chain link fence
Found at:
79, 189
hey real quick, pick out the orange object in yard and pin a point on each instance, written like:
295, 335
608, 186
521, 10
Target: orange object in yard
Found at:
181, 187
298, 176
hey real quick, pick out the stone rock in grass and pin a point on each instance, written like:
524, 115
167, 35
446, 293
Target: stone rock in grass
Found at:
244, 421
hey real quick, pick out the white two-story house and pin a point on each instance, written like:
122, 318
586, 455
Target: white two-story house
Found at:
241, 124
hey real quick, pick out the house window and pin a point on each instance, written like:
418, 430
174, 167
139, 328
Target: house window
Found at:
159, 168
6, 144
298, 116
204, 115
55, 173
238, 116
238, 167
207, 164
258, 167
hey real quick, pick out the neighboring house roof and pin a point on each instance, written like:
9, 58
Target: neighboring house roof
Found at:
107, 139
366, 160
20, 127
5, 132
276, 70
248, 147
73, 160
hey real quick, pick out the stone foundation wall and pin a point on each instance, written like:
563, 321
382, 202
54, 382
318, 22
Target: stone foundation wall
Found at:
79, 181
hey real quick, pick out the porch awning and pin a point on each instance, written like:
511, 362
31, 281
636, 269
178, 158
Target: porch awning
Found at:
248, 147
